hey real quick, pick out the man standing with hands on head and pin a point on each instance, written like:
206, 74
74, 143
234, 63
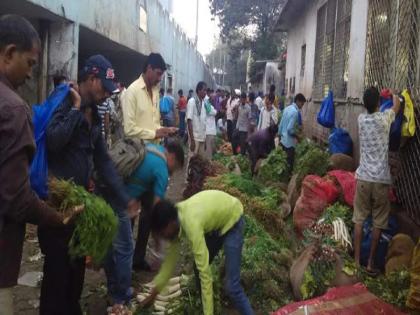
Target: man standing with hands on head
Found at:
140, 103
19, 51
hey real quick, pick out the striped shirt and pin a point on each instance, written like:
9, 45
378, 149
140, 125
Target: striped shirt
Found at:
103, 109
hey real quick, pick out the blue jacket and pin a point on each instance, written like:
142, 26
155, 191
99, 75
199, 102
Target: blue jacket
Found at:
75, 151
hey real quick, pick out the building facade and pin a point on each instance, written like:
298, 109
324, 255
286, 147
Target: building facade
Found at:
346, 46
123, 31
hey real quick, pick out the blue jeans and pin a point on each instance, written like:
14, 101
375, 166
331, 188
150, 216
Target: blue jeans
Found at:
232, 243
118, 263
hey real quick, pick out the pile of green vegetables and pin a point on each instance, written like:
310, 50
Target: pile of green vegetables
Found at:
392, 288
310, 159
274, 168
95, 227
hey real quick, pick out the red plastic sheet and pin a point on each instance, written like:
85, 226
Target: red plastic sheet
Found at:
347, 300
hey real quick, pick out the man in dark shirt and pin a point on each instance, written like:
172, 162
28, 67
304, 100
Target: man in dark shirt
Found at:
19, 50
261, 143
76, 149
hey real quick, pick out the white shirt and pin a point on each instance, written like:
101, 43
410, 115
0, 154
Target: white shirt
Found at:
267, 118
197, 114
230, 107
259, 102
211, 122
374, 145
221, 127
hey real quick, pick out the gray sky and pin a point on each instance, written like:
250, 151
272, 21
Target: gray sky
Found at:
184, 13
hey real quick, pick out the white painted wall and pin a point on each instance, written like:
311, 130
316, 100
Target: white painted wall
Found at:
358, 31
303, 31
119, 22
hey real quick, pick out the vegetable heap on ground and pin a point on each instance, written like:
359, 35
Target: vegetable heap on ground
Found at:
274, 168
310, 159
95, 227
270, 243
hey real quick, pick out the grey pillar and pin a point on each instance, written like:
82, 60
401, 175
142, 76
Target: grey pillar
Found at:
63, 50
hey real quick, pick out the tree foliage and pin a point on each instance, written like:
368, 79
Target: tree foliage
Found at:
248, 25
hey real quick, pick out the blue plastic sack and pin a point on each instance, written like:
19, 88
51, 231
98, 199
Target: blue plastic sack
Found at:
382, 249
396, 126
340, 141
41, 116
326, 115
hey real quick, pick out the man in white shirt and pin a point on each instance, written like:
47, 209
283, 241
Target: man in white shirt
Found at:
231, 113
210, 128
373, 174
196, 120
259, 100
268, 115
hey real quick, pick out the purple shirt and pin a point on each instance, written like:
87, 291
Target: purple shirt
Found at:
262, 143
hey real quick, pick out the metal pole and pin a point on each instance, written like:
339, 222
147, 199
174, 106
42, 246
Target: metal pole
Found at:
196, 25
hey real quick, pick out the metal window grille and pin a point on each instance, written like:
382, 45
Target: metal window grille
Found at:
331, 49
393, 60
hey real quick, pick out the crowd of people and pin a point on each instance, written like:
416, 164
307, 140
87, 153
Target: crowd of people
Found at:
98, 112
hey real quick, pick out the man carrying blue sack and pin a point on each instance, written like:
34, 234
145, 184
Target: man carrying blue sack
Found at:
75, 149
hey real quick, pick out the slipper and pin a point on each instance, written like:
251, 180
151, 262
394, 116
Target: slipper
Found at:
372, 272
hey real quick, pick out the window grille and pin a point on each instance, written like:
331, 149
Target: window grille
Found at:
393, 60
331, 49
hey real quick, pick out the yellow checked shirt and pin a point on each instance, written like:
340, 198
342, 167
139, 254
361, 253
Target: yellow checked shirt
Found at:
141, 112
207, 211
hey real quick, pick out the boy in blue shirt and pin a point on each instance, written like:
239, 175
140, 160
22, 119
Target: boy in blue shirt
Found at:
148, 183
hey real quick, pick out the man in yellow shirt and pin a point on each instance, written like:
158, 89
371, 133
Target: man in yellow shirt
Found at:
209, 220
140, 104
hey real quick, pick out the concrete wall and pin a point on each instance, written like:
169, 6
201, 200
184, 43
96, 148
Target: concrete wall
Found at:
79, 28
303, 31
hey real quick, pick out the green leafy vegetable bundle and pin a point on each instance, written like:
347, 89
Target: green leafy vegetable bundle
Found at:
392, 288
95, 227
314, 161
274, 168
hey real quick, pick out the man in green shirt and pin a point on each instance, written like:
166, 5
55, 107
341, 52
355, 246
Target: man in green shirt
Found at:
209, 220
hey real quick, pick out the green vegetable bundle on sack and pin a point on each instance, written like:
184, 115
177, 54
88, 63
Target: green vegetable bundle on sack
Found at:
274, 168
95, 227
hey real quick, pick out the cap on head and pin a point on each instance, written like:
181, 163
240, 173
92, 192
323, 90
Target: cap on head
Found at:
99, 66
237, 92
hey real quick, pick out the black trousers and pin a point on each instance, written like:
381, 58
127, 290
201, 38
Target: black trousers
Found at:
230, 129
243, 143
63, 279
290, 156
144, 227
214, 244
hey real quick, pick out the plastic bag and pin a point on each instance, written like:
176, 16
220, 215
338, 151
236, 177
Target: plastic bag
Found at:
340, 142
41, 116
316, 194
326, 115
382, 249
395, 131
409, 125
347, 182
347, 300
